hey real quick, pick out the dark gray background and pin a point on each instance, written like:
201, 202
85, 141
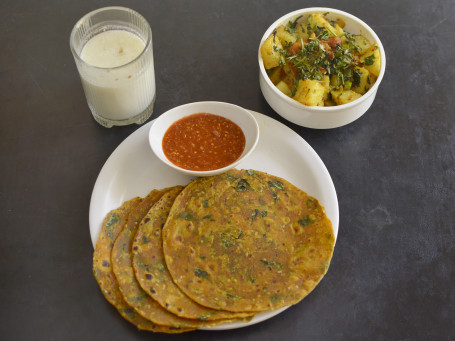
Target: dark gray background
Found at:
392, 276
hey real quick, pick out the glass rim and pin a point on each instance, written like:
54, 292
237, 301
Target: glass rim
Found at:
78, 24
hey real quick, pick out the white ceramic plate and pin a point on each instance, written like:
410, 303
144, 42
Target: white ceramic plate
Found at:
134, 170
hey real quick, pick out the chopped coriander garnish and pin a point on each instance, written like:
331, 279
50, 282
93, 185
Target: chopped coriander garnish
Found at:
369, 60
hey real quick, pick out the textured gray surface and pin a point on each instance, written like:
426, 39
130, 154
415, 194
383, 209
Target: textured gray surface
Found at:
393, 273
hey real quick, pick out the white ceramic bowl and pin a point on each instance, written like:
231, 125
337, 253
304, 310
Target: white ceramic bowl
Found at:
243, 118
320, 117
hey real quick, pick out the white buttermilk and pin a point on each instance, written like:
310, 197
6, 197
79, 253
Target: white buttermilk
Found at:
118, 89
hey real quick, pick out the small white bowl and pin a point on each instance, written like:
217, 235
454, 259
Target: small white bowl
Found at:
243, 118
320, 117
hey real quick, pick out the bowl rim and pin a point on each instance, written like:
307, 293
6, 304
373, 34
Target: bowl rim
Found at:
255, 132
332, 109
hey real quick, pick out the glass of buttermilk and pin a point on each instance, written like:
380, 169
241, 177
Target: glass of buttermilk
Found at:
112, 47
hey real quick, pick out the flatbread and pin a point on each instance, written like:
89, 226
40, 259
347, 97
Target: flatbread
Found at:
152, 274
102, 268
132, 292
246, 241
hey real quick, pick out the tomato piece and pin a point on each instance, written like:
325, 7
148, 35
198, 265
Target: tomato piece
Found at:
333, 41
296, 47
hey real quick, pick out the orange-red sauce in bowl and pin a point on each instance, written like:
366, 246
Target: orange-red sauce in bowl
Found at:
203, 141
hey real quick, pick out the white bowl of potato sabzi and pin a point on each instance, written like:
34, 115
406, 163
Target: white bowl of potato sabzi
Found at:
320, 67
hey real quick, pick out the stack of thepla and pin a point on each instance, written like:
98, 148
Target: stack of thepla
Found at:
221, 249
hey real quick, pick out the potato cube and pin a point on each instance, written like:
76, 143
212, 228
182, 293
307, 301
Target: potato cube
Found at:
366, 81
284, 88
288, 75
270, 56
371, 60
329, 103
344, 96
340, 22
310, 92
317, 19
301, 31
275, 75
325, 82
339, 31
361, 42
284, 36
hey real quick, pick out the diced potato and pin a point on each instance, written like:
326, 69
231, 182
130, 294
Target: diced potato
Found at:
344, 96
329, 102
371, 60
362, 43
338, 30
366, 81
284, 36
275, 75
317, 19
288, 76
340, 22
326, 84
270, 56
301, 31
310, 92
283, 87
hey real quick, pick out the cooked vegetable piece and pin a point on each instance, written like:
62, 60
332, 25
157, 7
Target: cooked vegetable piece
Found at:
310, 93
285, 36
318, 20
363, 80
360, 42
371, 60
275, 75
344, 96
329, 102
301, 31
270, 55
326, 84
335, 82
283, 87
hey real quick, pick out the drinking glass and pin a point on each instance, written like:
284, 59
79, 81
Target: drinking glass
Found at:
123, 94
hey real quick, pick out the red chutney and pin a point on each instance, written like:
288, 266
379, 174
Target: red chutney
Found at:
203, 141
